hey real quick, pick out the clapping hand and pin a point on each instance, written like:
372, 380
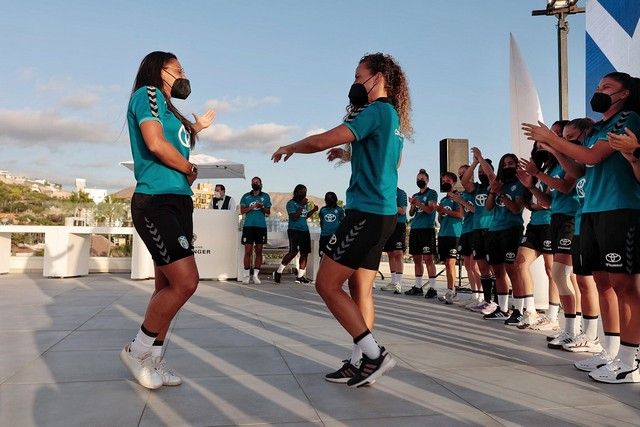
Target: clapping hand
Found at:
626, 143
204, 121
528, 166
538, 133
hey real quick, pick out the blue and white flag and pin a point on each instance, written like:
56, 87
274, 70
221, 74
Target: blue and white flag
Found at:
612, 41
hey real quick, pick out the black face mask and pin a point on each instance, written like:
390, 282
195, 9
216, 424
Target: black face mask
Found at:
358, 95
421, 184
181, 87
300, 197
446, 187
601, 102
539, 157
256, 187
508, 174
484, 179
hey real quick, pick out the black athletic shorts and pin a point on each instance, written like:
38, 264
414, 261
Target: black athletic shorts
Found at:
562, 233
254, 235
479, 242
360, 238
396, 242
538, 238
422, 241
324, 241
503, 245
609, 241
164, 222
299, 241
447, 247
576, 258
465, 244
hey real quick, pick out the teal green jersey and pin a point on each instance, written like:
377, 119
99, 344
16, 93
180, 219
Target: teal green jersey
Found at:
255, 217
580, 192
467, 220
610, 185
503, 218
422, 219
153, 176
401, 202
540, 216
450, 226
299, 223
483, 217
375, 155
330, 219
562, 203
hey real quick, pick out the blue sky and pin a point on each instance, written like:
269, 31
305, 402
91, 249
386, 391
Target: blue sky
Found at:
274, 70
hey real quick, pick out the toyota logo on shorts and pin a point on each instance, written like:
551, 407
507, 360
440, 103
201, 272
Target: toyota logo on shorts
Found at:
547, 243
611, 257
565, 242
510, 255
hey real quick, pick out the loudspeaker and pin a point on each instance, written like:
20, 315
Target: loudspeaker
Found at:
454, 153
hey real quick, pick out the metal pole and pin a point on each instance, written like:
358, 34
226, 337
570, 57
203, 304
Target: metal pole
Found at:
563, 67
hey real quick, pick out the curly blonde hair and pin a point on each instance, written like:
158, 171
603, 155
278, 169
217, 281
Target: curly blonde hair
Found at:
396, 85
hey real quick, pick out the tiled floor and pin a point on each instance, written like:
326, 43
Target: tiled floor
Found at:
256, 355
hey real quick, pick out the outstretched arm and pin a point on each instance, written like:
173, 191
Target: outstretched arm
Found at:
314, 143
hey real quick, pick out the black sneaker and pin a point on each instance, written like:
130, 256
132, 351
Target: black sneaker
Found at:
277, 276
302, 280
343, 374
431, 293
414, 291
514, 319
497, 315
372, 369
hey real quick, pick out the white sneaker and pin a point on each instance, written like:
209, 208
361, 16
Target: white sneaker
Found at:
594, 362
481, 305
142, 369
449, 296
563, 339
582, 344
168, 375
256, 280
490, 308
545, 324
245, 279
389, 287
616, 372
528, 318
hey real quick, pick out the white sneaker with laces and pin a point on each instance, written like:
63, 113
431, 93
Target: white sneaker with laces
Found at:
582, 344
490, 308
245, 279
389, 287
563, 338
528, 318
449, 296
256, 280
616, 372
142, 368
479, 306
594, 362
168, 375
545, 324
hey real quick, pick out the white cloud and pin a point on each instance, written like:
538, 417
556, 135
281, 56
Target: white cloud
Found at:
80, 101
48, 127
260, 137
27, 73
314, 131
236, 104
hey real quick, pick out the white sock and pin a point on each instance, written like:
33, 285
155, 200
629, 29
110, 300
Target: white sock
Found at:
418, 283
590, 327
255, 272
432, 282
141, 344
247, 272
301, 272
156, 351
627, 354
578, 323
503, 302
369, 346
530, 304
398, 278
393, 278
552, 312
570, 324
518, 302
281, 268
356, 355
611, 343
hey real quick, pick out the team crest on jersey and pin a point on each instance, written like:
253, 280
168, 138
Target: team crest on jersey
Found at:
580, 187
183, 242
184, 137
333, 240
513, 187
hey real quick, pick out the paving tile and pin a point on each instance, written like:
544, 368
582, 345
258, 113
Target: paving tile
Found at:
230, 401
600, 415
